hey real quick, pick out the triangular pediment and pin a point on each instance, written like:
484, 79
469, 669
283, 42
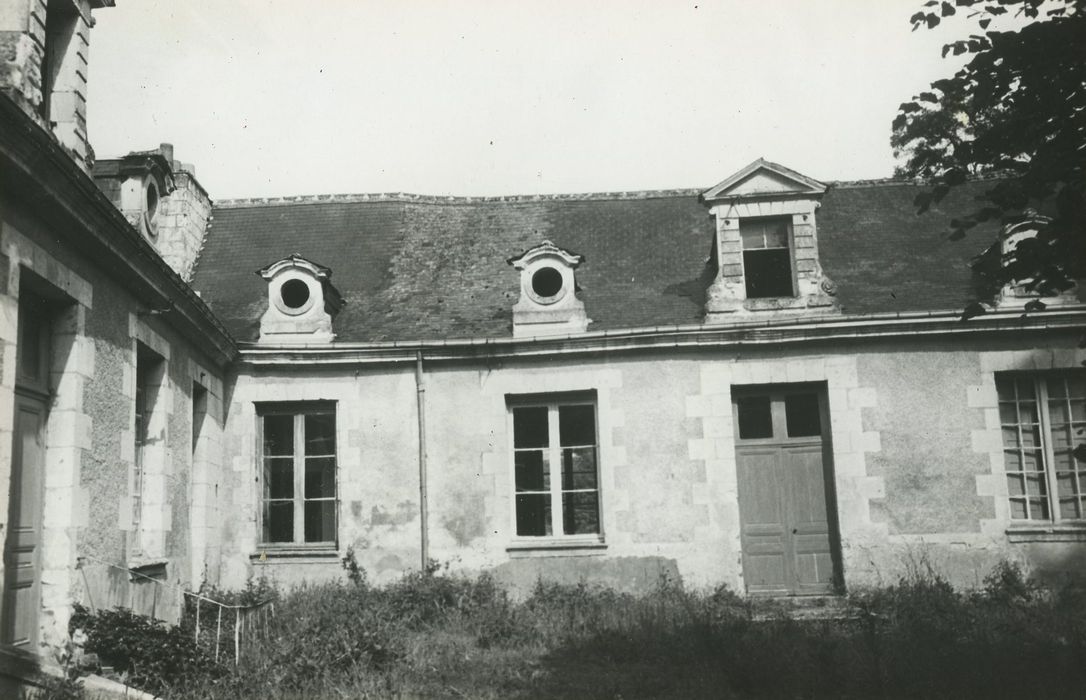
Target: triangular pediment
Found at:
764, 179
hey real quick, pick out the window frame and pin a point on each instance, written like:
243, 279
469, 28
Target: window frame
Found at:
789, 248
1052, 496
298, 410
552, 402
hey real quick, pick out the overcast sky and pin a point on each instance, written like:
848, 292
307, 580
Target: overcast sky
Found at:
484, 97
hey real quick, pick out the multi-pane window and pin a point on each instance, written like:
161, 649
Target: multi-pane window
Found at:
1043, 418
767, 257
298, 445
555, 455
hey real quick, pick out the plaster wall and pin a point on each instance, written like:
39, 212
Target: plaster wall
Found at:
917, 463
89, 540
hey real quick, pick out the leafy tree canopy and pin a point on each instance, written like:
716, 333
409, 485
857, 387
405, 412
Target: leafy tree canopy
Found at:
1017, 109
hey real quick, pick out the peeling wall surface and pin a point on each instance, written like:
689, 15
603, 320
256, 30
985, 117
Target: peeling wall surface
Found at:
101, 518
917, 470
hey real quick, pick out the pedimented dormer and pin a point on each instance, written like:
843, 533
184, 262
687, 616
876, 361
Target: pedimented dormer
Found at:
766, 246
548, 303
301, 302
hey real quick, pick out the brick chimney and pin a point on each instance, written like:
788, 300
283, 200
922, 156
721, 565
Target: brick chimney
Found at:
43, 64
162, 199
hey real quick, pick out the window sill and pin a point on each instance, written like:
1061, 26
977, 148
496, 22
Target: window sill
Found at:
295, 552
1040, 532
557, 546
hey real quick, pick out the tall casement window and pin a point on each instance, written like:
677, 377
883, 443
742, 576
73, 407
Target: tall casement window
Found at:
556, 467
298, 473
150, 375
1043, 418
767, 257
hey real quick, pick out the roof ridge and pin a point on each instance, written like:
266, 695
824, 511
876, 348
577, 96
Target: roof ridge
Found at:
452, 199
891, 181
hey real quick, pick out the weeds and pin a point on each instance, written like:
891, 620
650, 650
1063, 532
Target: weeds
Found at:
438, 634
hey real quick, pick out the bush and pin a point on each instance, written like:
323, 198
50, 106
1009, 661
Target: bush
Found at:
149, 654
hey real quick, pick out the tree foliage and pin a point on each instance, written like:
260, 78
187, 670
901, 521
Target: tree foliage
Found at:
1016, 111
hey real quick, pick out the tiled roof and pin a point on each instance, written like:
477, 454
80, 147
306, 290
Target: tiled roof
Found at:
420, 268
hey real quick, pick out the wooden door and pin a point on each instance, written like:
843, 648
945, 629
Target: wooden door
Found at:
23, 541
23, 537
785, 491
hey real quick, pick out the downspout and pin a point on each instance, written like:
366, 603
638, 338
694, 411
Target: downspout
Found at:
420, 394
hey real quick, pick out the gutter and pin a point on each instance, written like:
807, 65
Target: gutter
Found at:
779, 332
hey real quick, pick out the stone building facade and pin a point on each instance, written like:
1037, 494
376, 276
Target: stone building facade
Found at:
765, 383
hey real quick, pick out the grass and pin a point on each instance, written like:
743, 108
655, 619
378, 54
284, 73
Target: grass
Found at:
438, 635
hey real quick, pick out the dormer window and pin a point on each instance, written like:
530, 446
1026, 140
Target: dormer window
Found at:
150, 210
301, 302
767, 257
548, 302
766, 245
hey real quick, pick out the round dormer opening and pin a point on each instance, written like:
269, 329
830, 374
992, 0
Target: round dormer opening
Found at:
293, 296
294, 293
150, 207
547, 285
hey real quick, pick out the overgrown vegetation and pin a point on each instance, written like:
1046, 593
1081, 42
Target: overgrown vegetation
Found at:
442, 635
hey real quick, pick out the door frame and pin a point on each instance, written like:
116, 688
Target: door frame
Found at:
777, 392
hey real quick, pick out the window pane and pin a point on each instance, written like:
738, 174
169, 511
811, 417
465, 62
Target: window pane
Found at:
278, 435
1018, 509
755, 419
577, 425
579, 468
1038, 509
768, 273
320, 521
533, 514
279, 477
801, 413
776, 233
1070, 508
581, 513
1008, 413
320, 434
753, 236
320, 477
1016, 485
279, 521
531, 469
1005, 387
530, 427
1057, 387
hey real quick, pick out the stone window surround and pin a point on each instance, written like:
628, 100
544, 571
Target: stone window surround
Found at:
551, 401
147, 528
727, 294
206, 462
69, 428
295, 409
989, 441
497, 464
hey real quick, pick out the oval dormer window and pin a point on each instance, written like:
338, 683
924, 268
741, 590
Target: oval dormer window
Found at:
295, 293
150, 208
294, 296
547, 285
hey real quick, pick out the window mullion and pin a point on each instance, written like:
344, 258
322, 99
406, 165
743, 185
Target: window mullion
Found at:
1041, 391
555, 467
299, 478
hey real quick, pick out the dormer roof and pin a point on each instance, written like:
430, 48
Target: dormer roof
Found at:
764, 179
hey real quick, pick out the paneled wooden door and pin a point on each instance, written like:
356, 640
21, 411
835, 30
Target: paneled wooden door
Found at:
23, 536
786, 505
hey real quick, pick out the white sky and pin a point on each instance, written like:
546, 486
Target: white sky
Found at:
483, 97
